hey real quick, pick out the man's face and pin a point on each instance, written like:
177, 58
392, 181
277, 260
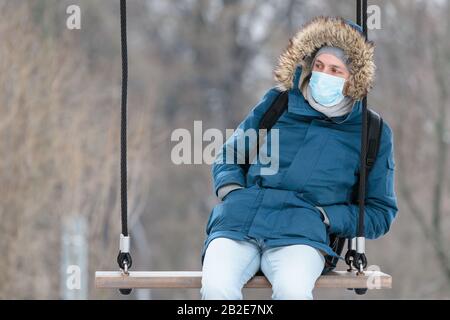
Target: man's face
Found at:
328, 63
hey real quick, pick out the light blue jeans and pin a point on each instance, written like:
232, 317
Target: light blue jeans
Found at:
229, 264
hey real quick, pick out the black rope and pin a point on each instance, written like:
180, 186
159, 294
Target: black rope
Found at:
358, 12
362, 18
123, 133
124, 258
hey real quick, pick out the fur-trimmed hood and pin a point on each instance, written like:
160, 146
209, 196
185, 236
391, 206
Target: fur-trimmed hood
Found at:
330, 31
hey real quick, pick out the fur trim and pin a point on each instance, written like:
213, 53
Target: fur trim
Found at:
331, 31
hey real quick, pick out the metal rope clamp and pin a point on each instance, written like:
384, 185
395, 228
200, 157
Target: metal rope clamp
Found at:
124, 258
360, 259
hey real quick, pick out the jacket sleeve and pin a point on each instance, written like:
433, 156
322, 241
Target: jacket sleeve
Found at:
223, 191
380, 202
225, 173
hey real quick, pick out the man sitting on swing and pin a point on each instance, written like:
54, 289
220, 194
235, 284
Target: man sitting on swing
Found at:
281, 223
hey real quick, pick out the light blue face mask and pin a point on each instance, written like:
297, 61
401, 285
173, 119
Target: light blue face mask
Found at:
326, 89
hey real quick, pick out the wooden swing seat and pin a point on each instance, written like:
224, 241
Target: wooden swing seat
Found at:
192, 279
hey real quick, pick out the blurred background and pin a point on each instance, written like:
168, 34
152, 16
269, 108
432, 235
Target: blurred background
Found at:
191, 60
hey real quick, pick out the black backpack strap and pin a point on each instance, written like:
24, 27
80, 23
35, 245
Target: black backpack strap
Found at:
275, 111
268, 120
374, 129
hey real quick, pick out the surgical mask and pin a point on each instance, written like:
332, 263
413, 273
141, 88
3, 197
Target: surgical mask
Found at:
326, 89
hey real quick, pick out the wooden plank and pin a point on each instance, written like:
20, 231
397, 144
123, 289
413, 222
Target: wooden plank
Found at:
192, 279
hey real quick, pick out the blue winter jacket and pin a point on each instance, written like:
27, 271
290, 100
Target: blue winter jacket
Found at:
319, 158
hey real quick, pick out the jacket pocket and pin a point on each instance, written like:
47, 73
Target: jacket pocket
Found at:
215, 219
300, 218
237, 207
390, 166
219, 219
391, 163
